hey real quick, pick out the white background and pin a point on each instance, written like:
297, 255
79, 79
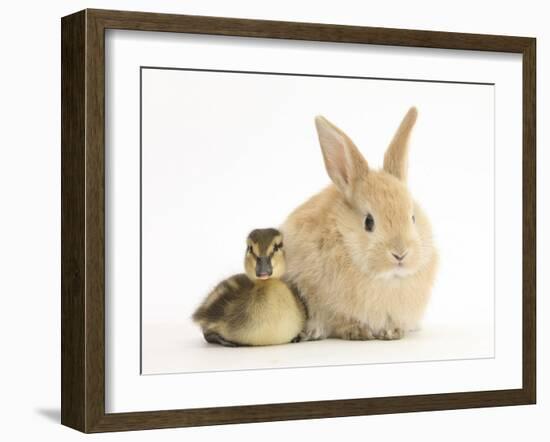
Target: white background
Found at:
30, 193
462, 336
165, 345
224, 153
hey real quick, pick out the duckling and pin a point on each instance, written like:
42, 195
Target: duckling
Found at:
256, 307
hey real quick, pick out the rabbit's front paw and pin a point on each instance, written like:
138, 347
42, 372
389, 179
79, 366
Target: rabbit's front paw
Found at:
390, 334
310, 334
358, 333
354, 331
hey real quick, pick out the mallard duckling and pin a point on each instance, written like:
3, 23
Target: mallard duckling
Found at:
256, 308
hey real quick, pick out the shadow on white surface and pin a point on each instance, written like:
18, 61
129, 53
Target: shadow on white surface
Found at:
51, 414
180, 348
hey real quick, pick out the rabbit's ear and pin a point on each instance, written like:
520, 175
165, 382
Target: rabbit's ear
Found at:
343, 161
395, 159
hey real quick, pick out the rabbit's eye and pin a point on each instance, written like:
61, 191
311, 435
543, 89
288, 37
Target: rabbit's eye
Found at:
369, 223
414, 219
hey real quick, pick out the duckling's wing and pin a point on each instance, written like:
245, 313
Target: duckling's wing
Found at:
226, 294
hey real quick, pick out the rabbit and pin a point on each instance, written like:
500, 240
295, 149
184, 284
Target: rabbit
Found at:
361, 251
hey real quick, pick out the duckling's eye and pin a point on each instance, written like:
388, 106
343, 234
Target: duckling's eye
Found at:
369, 223
249, 249
277, 246
414, 219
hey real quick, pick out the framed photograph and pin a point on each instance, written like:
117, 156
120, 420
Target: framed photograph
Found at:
269, 220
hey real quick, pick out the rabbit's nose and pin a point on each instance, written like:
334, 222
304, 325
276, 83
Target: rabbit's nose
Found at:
399, 257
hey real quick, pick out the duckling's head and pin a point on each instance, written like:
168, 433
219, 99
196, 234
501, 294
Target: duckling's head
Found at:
264, 254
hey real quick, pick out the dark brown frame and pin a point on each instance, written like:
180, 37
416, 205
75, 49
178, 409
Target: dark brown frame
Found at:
83, 217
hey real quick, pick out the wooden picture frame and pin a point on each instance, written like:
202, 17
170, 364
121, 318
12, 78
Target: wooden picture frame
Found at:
83, 220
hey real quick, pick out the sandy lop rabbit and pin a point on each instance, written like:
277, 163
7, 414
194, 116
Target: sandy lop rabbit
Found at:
361, 251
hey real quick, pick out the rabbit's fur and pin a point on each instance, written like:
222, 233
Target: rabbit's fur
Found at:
352, 284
